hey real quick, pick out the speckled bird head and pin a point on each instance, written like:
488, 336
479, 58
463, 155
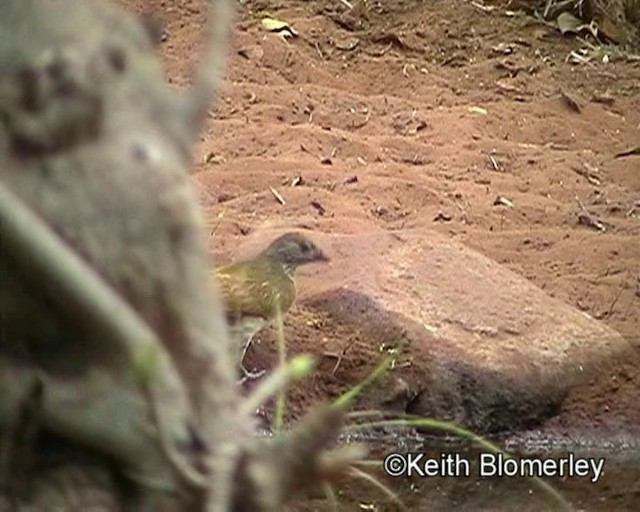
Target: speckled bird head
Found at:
293, 250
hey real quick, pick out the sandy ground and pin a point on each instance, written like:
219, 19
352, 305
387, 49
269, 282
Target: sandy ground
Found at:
413, 114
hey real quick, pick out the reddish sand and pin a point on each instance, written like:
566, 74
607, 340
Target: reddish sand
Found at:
437, 108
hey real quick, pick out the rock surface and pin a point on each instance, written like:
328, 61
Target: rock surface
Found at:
493, 351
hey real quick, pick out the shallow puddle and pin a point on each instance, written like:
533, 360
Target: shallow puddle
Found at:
453, 475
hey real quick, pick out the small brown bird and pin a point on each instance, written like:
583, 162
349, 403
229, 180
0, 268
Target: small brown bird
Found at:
252, 289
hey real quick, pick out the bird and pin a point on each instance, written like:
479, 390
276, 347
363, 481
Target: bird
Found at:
253, 290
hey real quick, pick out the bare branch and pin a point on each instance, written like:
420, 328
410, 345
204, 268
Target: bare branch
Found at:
30, 247
208, 76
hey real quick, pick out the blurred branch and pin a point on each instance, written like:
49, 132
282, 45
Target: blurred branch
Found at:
35, 251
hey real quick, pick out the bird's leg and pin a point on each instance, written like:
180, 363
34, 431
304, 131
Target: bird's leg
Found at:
247, 375
245, 349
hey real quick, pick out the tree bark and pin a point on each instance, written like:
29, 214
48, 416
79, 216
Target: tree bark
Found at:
117, 381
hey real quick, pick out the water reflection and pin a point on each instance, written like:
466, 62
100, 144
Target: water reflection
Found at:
617, 486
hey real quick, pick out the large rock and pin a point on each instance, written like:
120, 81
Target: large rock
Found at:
490, 350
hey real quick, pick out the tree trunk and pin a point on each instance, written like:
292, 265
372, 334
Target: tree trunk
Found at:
117, 384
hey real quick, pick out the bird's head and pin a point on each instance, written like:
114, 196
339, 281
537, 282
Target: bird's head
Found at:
293, 250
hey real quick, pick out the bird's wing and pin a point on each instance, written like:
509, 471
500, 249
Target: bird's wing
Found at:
253, 289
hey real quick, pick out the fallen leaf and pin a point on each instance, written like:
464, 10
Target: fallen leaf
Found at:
478, 110
275, 25
628, 152
502, 201
569, 24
